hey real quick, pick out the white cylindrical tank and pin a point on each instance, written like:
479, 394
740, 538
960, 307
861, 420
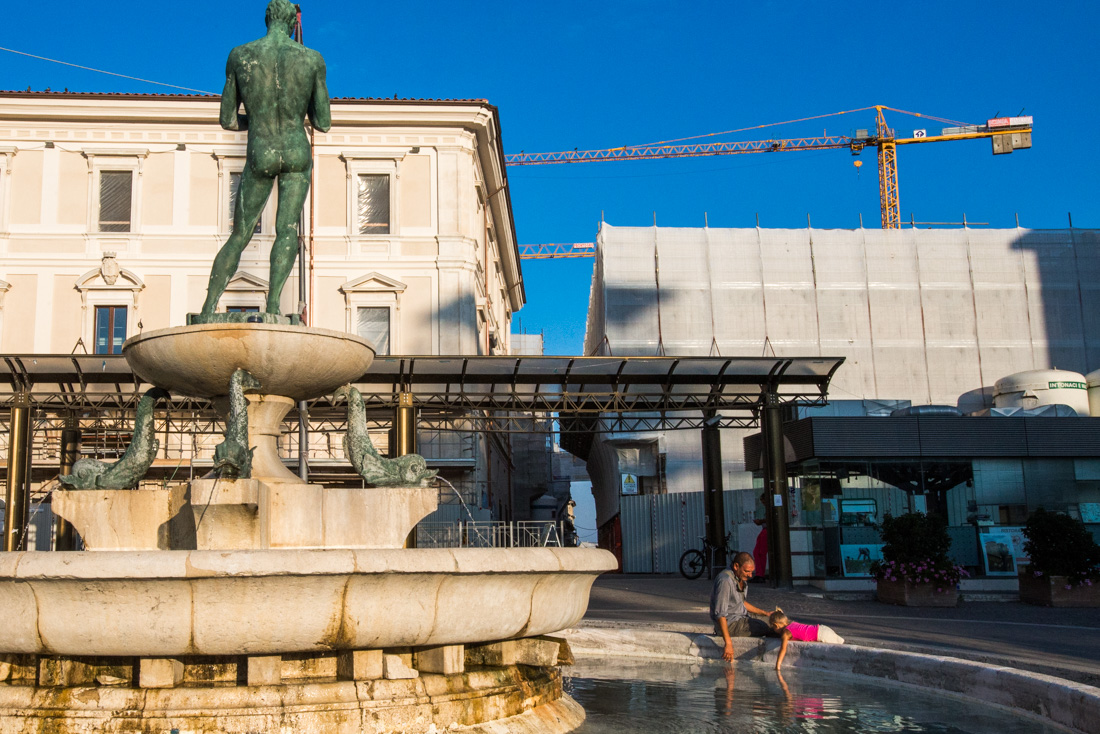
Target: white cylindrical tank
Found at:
1092, 379
1036, 388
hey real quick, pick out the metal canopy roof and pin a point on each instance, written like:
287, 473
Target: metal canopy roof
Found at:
853, 439
591, 385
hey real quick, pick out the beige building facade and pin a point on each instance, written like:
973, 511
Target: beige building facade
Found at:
112, 208
123, 200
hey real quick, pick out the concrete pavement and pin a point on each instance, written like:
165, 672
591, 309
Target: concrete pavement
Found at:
1060, 642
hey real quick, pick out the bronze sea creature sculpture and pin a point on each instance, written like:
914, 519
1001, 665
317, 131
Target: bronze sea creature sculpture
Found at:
127, 471
404, 471
233, 456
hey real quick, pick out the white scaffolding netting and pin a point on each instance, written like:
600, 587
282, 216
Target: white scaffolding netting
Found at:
920, 315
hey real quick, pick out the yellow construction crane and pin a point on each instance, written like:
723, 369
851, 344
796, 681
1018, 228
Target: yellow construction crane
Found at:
1007, 134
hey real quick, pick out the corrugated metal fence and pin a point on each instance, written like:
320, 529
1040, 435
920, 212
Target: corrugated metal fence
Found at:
658, 528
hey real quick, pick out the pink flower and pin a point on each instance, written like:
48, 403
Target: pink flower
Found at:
1068, 586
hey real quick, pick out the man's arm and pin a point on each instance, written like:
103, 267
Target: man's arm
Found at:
727, 652
755, 610
231, 101
320, 113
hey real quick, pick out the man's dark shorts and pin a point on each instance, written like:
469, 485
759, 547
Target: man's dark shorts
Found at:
746, 627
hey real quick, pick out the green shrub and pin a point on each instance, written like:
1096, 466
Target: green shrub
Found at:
1060, 545
914, 537
915, 549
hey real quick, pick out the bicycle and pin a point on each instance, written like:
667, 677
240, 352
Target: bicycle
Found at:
693, 562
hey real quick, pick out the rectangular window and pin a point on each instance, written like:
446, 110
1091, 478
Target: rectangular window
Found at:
374, 325
234, 187
858, 512
374, 204
116, 190
110, 329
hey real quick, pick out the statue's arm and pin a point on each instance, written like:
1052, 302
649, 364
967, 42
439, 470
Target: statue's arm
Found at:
231, 100
320, 114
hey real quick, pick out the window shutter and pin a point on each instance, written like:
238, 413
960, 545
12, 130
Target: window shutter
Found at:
115, 196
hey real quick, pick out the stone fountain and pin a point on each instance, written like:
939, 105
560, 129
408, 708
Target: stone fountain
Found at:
256, 602
251, 601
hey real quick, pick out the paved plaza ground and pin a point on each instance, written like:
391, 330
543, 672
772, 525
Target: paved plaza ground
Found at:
1062, 642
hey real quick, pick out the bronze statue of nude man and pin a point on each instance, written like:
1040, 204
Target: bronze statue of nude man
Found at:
280, 82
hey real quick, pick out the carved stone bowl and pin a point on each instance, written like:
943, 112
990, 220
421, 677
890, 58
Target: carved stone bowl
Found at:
268, 602
295, 362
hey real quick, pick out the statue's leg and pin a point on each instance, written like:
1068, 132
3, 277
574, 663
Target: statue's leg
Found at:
251, 197
293, 187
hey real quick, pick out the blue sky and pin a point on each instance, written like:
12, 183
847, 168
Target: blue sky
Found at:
605, 73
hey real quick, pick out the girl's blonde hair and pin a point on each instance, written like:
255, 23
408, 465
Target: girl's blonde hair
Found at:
778, 618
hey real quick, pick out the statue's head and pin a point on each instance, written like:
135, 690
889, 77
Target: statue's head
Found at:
281, 13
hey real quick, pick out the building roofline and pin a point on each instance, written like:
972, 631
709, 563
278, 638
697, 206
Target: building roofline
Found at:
191, 97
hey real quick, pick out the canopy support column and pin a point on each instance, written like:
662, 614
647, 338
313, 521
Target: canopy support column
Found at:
16, 496
65, 534
403, 438
775, 491
713, 500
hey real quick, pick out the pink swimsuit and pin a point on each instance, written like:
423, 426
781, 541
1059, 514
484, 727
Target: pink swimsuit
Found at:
803, 632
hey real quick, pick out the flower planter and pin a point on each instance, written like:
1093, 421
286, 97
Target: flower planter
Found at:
1051, 591
907, 594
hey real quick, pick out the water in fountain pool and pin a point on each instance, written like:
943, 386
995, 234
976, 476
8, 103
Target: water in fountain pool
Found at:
660, 698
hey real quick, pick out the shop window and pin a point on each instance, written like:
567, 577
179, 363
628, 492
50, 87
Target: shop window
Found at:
116, 193
110, 329
858, 512
1011, 514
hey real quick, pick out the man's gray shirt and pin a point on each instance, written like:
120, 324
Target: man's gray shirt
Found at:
726, 600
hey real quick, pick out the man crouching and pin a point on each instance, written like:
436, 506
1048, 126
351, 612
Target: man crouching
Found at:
728, 608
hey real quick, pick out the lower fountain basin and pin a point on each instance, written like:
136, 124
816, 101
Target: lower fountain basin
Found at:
261, 602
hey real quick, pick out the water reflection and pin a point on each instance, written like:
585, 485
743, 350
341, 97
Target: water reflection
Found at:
669, 697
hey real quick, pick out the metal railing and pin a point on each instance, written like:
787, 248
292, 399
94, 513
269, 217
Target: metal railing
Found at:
489, 534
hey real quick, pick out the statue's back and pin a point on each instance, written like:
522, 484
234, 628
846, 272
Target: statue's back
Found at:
275, 80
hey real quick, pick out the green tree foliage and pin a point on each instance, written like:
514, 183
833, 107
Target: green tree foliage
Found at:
915, 537
1060, 545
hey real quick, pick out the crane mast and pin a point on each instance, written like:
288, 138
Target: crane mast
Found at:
889, 202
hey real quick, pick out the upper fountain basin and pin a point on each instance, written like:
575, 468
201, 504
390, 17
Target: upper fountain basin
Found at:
292, 361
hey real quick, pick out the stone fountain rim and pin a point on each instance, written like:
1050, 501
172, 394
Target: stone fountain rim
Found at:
198, 564
268, 602
193, 328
